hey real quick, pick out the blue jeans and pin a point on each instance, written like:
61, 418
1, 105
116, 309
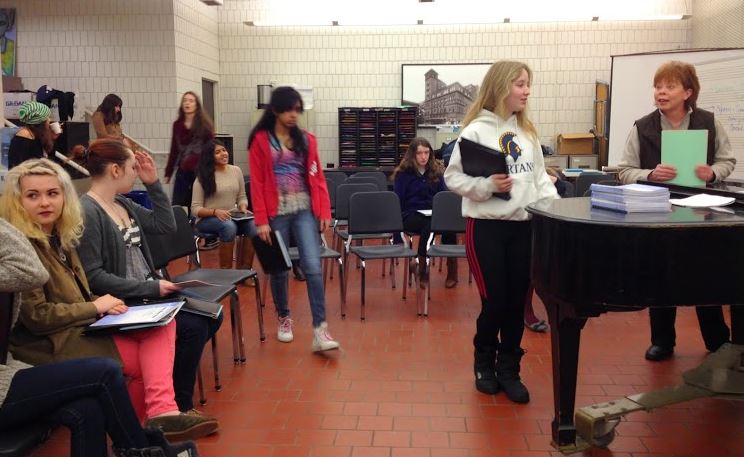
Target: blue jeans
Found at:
304, 227
88, 396
226, 230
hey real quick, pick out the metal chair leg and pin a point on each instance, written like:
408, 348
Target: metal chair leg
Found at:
342, 287
216, 365
259, 311
363, 284
238, 316
200, 385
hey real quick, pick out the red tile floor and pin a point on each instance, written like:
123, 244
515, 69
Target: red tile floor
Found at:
402, 385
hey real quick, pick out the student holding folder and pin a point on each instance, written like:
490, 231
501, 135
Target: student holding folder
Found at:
498, 234
676, 89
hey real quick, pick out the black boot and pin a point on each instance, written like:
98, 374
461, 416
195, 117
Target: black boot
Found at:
507, 374
485, 372
159, 447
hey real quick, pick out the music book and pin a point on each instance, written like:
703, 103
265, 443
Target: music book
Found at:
482, 161
685, 150
274, 258
238, 215
202, 308
193, 283
138, 317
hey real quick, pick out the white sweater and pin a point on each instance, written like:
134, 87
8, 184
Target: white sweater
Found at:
530, 184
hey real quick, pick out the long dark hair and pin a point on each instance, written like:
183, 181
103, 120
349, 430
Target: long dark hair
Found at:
408, 162
283, 99
107, 108
205, 170
202, 126
43, 133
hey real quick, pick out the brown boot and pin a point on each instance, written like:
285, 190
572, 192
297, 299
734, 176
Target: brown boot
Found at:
451, 280
423, 274
247, 253
226, 254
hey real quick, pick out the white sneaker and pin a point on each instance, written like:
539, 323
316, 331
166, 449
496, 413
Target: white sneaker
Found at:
322, 340
285, 330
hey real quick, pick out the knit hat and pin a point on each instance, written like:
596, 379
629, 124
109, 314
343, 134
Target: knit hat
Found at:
33, 113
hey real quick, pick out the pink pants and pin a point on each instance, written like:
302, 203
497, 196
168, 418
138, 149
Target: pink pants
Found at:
147, 359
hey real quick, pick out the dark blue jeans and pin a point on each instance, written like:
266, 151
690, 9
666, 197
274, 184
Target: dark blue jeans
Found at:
88, 396
304, 227
192, 333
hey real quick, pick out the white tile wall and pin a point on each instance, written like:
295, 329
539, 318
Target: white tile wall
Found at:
94, 47
197, 45
361, 66
151, 51
718, 23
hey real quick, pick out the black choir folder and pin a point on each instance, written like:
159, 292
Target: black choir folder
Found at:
482, 161
274, 257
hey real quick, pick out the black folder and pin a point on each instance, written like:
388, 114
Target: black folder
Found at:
274, 258
482, 161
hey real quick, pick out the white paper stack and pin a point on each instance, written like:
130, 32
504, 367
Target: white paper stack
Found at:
631, 198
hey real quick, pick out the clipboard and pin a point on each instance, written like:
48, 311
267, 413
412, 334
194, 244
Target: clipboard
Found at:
482, 161
138, 317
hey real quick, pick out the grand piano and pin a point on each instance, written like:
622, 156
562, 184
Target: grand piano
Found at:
589, 261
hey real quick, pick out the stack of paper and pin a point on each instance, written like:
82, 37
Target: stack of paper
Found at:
631, 198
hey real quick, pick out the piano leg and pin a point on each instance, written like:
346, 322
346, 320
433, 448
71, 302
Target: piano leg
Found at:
565, 335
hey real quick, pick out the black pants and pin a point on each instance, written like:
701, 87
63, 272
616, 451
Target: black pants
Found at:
712, 326
499, 257
421, 225
192, 333
88, 396
183, 184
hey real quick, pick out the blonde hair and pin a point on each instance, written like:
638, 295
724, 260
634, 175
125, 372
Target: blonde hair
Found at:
494, 91
70, 223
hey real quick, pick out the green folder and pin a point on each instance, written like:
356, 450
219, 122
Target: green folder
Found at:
685, 150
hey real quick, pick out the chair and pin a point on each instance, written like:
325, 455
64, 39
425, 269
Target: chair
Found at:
377, 213
167, 248
343, 194
446, 217
336, 176
18, 441
570, 190
585, 181
366, 179
382, 180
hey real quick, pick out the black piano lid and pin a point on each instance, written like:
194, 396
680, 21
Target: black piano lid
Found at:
580, 210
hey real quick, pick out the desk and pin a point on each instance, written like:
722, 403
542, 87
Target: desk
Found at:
586, 262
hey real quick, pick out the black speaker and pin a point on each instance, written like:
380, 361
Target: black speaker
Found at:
227, 140
73, 133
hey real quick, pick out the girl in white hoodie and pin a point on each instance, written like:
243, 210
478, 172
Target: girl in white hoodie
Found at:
498, 233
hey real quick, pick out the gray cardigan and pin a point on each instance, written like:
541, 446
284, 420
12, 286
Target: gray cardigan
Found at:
20, 270
102, 250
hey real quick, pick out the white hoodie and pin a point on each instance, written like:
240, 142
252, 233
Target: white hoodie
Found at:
530, 181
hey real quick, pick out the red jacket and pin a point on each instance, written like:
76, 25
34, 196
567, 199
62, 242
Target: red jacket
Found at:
264, 191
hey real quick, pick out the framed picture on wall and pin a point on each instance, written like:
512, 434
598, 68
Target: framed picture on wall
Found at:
8, 40
443, 92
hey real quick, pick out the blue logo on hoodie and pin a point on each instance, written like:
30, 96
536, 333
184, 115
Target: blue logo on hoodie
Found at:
509, 145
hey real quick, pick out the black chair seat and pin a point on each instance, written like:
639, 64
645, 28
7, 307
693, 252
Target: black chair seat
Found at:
206, 293
344, 235
446, 250
382, 251
20, 441
226, 277
325, 253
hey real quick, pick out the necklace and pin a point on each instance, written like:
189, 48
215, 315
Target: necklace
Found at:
112, 210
